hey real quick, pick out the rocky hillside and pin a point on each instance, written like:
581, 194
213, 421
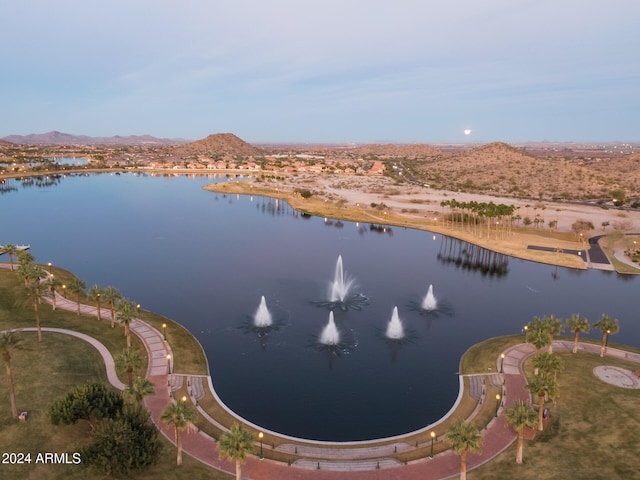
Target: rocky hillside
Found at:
59, 138
501, 169
418, 150
218, 144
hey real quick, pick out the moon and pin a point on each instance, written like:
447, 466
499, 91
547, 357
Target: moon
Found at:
467, 131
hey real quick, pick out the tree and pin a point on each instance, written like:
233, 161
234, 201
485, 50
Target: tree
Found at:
76, 286
553, 326
126, 311
141, 388
608, 326
53, 283
577, 325
91, 402
537, 333
10, 250
235, 445
34, 291
10, 341
549, 363
581, 227
127, 362
127, 442
464, 437
520, 415
94, 293
111, 296
179, 415
543, 386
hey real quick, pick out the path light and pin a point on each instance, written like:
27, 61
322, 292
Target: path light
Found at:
497, 403
524, 330
502, 363
64, 291
49, 265
433, 437
184, 398
169, 363
260, 435
138, 308
164, 331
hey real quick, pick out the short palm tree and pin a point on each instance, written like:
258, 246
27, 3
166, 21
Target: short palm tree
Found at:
127, 362
76, 286
34, 291
543, 386
30, 273
554, 326
464, 437
548, 363
53, 283
10, 250
126, 311
608, 326
111, 296
577, 325
235, 445
94, 293
179, 415
141, 388
537, 333
10, 341
520, 415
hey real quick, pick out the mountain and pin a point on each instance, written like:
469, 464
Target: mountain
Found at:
59, 138
416, 150
218, 144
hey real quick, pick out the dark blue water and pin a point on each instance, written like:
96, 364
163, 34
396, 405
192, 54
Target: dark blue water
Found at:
205, 259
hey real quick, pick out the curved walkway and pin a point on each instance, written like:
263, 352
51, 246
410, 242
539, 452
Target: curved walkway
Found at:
367, 463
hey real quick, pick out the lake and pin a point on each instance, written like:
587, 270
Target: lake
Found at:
206, 259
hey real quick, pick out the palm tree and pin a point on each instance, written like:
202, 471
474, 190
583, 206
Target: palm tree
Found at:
76, 286
24, 257
10, 250
141, 388
549, 363
520, 415
554, 326
10, 340
34, 291
179, 415
577, 325
53, 283
111, 296
94, 293
464, 437
235, 445
543, 386
537, 333
608, 326
30, 273
126, 311
127, 362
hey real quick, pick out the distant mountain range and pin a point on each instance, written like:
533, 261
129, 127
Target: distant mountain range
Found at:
59, 138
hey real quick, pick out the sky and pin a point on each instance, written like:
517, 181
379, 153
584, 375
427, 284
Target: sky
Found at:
330, 71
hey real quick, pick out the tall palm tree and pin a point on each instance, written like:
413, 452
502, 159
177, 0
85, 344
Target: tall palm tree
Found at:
554, 326
94, 293
537, 333
578, 325
543, 386
76, 286
141, 388
608, 326
34, 291
53, 283
179, 415
127, 362
10, 340
111, 296
126, 311
464, 437
30, 273
235, 445
548, 363
520, 415
24, 257
10, 250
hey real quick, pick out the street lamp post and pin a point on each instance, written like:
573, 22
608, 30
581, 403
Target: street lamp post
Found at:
497, 403
64, 291
260, 435
49, 265
169, 363
433, 437
138, 308
502, 363
164, 331
525, 329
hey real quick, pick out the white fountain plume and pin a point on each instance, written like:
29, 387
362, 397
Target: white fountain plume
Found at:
395, 330
430, 302
341, 284
330, 334
262, 318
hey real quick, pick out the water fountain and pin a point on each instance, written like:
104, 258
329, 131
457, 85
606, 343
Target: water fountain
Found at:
330, 335
429, 303
339, 288
395, 330
262, 317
